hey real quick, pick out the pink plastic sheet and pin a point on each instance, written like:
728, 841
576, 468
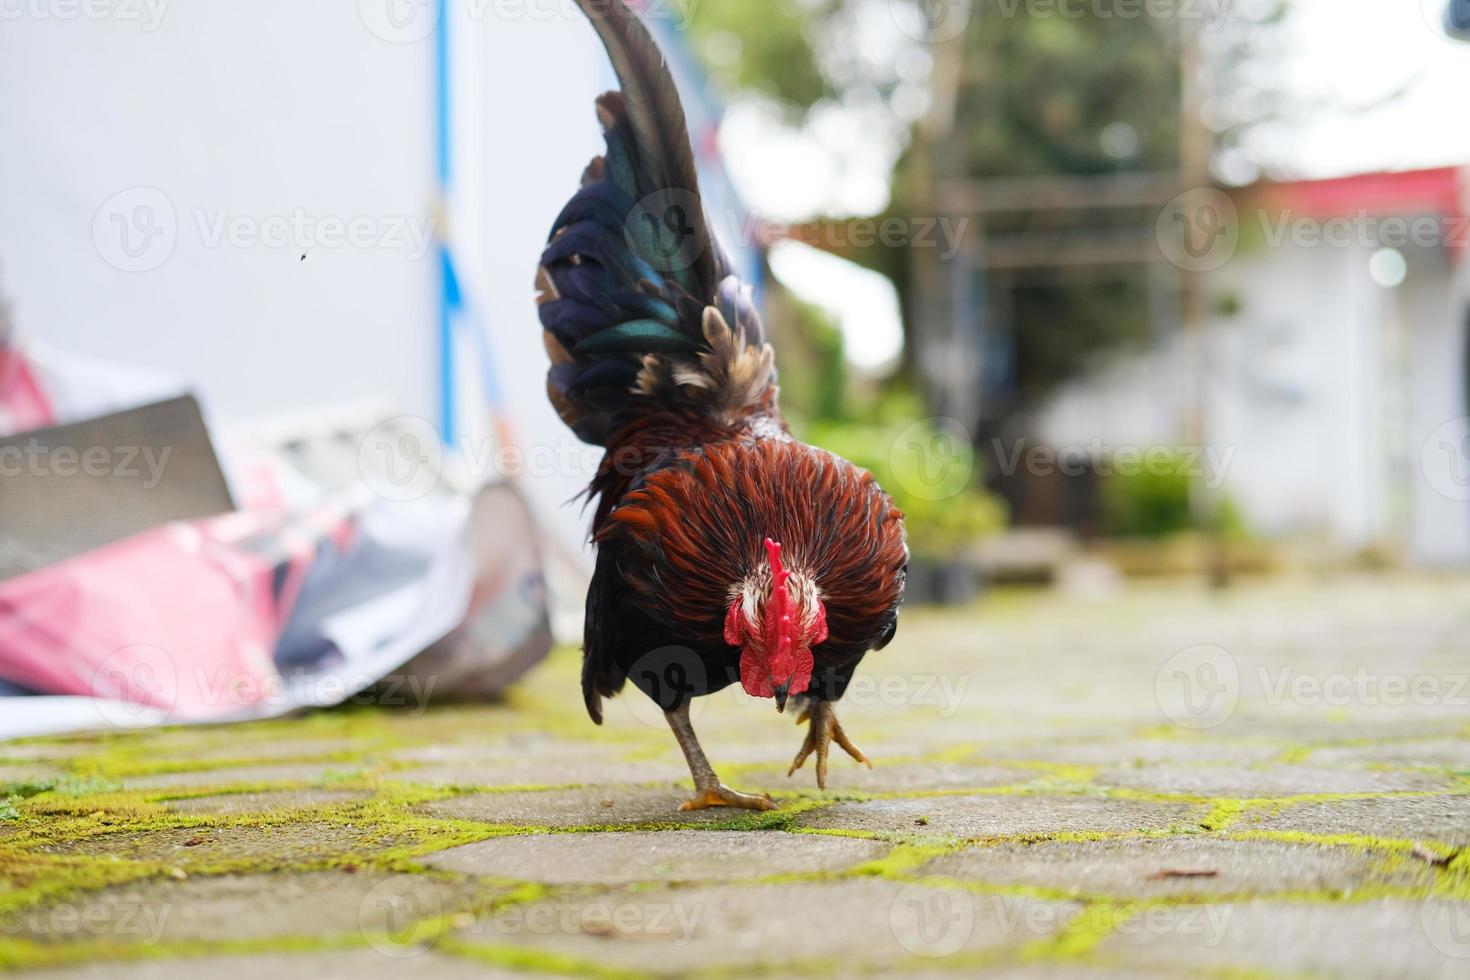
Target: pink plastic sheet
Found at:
211, 612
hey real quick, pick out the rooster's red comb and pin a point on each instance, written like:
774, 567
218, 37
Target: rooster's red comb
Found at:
781, 631
773, 552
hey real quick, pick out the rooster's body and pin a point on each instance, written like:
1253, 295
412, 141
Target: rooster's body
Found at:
726, 550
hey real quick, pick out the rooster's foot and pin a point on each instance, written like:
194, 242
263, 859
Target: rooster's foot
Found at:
720, 795
823, 731
708, 790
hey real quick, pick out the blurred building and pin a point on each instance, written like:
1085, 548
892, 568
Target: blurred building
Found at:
1331, 347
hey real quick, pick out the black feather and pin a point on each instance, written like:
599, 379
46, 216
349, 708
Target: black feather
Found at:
620, 298
660, 135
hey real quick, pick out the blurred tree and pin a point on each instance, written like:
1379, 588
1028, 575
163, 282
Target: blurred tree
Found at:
813, 370
1013, 89
1054, 95
1086, 94
802, 54
763, 46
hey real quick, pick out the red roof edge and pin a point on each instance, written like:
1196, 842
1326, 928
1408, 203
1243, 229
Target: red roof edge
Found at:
1440, 190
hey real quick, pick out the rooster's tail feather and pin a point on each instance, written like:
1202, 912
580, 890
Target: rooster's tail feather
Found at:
638, 304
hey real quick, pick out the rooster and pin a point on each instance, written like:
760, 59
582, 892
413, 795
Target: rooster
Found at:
726, 550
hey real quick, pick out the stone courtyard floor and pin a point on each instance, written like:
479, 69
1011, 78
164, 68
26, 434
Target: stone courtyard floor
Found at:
1274, 782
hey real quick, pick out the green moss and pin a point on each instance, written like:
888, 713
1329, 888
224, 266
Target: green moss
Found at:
1356, 841
20, 954
119, 764
1082, 934
533, 960
903, 860
1225, 812
55, 828
61, 785
38, 866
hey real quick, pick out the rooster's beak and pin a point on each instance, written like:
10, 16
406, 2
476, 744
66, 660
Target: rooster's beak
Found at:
781, 690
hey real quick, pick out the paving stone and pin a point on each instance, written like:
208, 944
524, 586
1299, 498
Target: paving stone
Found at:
298, 772
857, 924
1340, 727
845, 775
357, 964
1054, 971
1004, 815
600, 806
1343, 939
514, 747
43, 751
543, 770
285, 799
251, 907
25, 772
1050, 681
1114, 751
1435, 818
1151, 868
1443, 753
204, 846
898, 749
1267, 781
622, 857
272, 747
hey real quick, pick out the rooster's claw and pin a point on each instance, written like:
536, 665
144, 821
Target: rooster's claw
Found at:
720, 795
823, 731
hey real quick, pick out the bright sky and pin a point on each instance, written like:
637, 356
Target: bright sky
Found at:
863, 301
1346, 52
1358, 50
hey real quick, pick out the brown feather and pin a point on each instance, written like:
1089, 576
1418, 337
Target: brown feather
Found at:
701, 525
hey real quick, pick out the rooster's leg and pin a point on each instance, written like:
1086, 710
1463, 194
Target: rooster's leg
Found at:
707, 788
824, 730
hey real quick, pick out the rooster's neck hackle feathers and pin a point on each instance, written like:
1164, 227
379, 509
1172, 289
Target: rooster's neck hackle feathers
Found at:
701, 522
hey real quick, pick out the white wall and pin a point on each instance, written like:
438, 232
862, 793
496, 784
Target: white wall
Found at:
1438, 309
247, 110
1298, 395
1324, 387
279, 108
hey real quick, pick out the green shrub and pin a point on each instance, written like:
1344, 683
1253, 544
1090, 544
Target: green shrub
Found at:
1155, 501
